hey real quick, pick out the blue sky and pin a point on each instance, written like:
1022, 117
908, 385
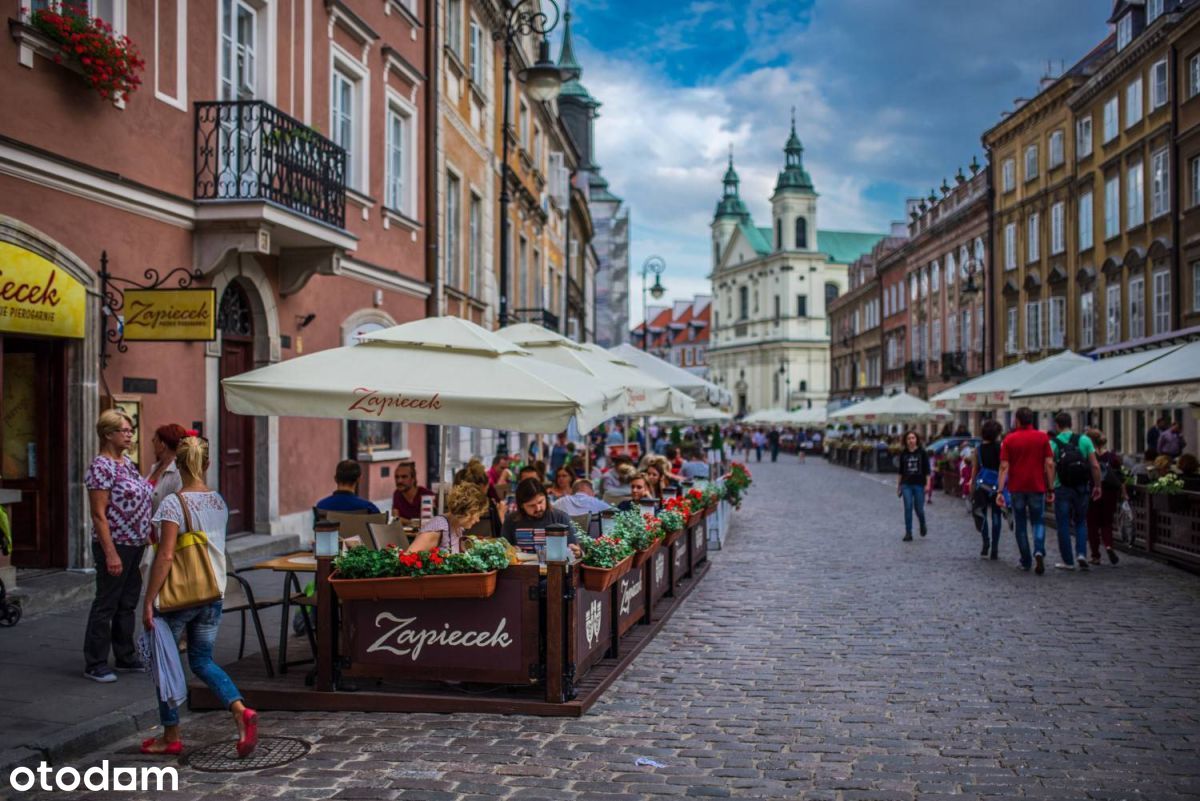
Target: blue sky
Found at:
890, 95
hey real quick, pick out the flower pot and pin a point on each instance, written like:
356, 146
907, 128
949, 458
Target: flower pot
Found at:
669, 537
599, 579
694, 518
419, 588
641, 557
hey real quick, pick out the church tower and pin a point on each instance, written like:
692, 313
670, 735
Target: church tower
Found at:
794, 204
730, 211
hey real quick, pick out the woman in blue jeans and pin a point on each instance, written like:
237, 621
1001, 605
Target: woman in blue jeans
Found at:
913, 464
195, 508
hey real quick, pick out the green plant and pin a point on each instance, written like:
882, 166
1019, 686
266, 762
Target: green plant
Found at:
671, 520
1166, 485
631, 527
604, 552
361, 562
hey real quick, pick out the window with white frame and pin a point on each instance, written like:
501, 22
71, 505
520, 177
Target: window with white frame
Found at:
887, 302
1137, 306
952, 333
1161, 293
934, 277
523, 124
346, 123
454, 26
1110, 120
1154, 10
935, 339
453, 249
924, 282
1194, 180
477, 53
1010, 332
963, 259
979, 253
475, 243
239, 50
1083, 137
1125, 30
1008, 171
1056, 149
1133, 102
1112, 314
1087, 319
1032, 239
1194, 76
1058, 239
1112, 206
902, 301
1033, 325
1058, 322
1158, 85
1031, 162
1085, 220
1160, 190
1135, 201
950, 269
912, 286
1196, 286
399, 194
1010, 246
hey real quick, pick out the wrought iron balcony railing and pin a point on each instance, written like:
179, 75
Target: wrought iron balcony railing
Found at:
914, 372
250, 150
543, 317
954, 364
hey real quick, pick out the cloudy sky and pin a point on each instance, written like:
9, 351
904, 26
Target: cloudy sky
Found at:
890, 95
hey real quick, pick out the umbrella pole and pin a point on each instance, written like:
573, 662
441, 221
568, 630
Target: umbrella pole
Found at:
441, 469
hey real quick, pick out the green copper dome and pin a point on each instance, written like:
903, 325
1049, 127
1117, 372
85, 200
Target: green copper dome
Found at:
731, 204
794, 176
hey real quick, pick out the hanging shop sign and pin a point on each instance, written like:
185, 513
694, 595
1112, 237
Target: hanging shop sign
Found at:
170, 315
39, 297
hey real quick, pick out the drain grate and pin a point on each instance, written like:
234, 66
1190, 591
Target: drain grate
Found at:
271, 753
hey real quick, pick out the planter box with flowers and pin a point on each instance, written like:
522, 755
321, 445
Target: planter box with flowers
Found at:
737, 482
109, 62
641, 531
363, 574
673, 521
605, 560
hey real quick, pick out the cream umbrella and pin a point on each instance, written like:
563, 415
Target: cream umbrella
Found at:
623, 390
900, 408
688, 383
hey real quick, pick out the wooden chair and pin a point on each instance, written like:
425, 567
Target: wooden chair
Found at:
385, 534
356, 524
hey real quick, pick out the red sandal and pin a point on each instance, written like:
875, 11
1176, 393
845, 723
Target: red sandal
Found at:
249, 740
166, 749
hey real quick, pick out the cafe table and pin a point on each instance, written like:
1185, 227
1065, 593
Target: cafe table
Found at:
290, 565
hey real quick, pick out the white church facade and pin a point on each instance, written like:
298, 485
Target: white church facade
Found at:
770, 332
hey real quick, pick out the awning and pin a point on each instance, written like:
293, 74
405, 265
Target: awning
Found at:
1070, 389
688, 383
992, 390
806, 417
898, 408
1172, 380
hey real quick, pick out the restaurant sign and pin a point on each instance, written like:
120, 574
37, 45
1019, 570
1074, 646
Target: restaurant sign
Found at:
631, 599
170, 315
39, 297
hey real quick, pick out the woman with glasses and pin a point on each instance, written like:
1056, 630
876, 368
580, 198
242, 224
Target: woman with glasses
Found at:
120, 501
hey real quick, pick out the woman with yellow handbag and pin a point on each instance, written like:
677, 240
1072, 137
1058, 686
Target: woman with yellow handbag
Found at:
187, 582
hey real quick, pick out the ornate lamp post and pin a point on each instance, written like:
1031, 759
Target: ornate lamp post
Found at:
544, 80
656, 265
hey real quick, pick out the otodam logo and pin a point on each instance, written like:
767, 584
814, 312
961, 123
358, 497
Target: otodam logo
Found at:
372, 401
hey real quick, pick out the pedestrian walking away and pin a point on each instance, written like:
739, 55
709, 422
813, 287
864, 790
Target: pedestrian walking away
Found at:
1027, 473
984, 487
1076, 481
1100, 513
914, 475
773, 439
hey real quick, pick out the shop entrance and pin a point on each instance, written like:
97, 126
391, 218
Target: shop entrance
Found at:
236, 323
33, 426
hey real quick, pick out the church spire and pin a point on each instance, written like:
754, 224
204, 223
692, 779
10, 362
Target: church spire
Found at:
731, 204
794, 176
567, 62
731, 179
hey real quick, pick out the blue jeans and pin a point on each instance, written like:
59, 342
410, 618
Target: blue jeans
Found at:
991, 511
1031, 506
914, 497
1070, 516
201, 624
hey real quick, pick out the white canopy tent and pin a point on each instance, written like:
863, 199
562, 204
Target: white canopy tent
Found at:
815, 416
900, 408
766, 417
703, 414
1072, 388
688, 383
1171, 380
676, 402
992, 390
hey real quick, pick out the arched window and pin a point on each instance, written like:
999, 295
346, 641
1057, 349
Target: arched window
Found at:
801, 233
978, 253
779, 234
831, 293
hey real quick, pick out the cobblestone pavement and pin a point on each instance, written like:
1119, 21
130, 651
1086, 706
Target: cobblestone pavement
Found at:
822, 658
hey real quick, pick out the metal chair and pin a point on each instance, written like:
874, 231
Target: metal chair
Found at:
239, 597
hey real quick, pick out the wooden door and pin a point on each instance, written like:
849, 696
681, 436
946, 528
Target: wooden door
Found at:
237, 443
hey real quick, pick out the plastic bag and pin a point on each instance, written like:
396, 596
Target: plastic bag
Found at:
1125, 522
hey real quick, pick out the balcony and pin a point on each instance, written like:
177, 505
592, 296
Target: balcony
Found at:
543, 317
954, 365
914, 372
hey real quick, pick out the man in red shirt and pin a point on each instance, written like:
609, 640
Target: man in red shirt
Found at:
406, 500
1027, 472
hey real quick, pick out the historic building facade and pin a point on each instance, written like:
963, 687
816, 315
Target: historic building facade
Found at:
771, 290
679, 333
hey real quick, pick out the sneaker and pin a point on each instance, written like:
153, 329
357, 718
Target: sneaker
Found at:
923, 532
984, 552
1082, 562
907, 538
994, 556
137, 666
1040, 566
100, 673
1064, 566
1112, 556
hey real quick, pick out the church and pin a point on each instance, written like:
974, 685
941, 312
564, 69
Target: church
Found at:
770, 332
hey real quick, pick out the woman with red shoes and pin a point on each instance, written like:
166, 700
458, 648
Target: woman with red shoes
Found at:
195, 508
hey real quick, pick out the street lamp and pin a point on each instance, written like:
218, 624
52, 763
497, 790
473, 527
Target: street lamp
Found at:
544, 80
656, 265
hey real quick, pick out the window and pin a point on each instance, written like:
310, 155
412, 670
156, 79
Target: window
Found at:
1033, 326
801, 233
1087, 320
1124, 30
1154, 10
453, 234
398, 192
523, 124
1058, 322
477, 54
1057, 233
1196, 286
743, 303
979, 253
454, 21
1112, 315
1194, 172
1158, 84
475, 243
1085, 220
1010, 246
1110, 120
935, 274
1133, 102
902, 301
802, 305
523, 273
1033, 245
1031, 162
950, 269
779, 234
1161, 321
778, 312
831, 293
1112, 206
887, 302
1056, 149
1137, 307
924, 279
935, 339
1010, 333
1009, 173
239, 43
1194, 75
967, 344
1083, 138
344, 124
1160, 197
952, 333
1135, 205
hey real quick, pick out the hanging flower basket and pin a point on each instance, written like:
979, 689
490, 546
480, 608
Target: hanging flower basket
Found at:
110, 63
416, 588
599, 579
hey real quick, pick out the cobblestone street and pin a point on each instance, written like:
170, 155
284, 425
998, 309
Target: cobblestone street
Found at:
821, 658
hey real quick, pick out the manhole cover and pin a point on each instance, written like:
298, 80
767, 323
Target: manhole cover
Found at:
271, 753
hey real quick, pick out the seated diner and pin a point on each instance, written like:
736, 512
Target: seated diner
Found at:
639, 488
465, 504
406, 500
535, 512
345, 497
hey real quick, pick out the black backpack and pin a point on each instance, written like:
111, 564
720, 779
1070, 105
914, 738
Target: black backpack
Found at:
1070, 465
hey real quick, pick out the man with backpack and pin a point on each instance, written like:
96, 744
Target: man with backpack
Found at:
1076, 481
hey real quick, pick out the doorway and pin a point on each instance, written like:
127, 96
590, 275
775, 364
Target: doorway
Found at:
32, 442
236, 435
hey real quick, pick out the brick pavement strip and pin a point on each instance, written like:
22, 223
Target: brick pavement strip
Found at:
821, 659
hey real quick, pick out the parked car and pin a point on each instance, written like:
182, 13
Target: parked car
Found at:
939, 446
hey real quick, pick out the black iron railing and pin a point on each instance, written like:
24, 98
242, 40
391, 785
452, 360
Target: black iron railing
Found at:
250, 150
914, 372
543, 317
954, 364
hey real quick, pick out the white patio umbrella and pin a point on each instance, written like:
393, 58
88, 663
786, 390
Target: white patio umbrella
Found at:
627, 390
688, 383
1071, 389
900, 408
766, 416
806, 417
703, 414
992, 390
1173, 380
645, 396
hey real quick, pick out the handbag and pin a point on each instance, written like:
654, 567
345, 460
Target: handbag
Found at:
191, 582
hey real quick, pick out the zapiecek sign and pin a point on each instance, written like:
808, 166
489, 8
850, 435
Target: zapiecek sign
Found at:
38, 297
170, 315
